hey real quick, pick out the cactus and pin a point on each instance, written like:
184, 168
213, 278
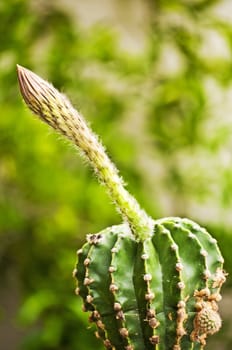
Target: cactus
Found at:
148, 284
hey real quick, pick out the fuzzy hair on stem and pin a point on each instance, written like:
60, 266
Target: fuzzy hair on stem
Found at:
56, 110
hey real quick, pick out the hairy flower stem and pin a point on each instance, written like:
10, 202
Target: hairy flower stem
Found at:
56, 110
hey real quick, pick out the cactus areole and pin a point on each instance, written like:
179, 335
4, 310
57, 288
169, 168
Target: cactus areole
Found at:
147, 284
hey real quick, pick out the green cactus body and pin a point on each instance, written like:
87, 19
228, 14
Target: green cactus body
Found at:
148, 295
148, 284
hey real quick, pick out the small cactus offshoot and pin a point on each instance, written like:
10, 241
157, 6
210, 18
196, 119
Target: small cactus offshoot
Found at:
147, 284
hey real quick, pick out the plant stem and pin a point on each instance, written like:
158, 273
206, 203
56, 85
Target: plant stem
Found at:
56, 110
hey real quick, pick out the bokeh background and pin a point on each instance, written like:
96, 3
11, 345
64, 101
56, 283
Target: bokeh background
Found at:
154, 79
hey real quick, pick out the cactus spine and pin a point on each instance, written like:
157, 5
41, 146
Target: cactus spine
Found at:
148, 284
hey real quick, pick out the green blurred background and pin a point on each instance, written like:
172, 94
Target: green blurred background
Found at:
154, 79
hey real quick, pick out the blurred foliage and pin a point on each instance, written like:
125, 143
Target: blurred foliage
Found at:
163, 113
